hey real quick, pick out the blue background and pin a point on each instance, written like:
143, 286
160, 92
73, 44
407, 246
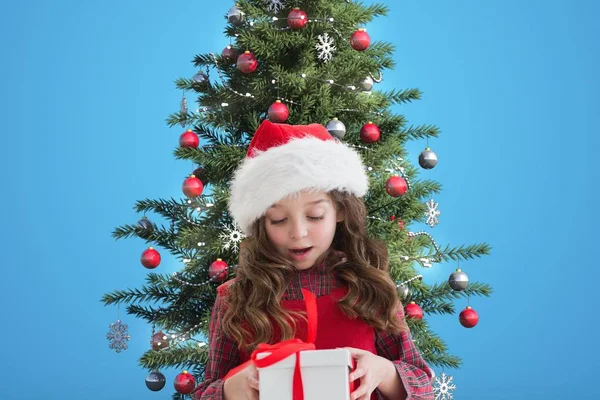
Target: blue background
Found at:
513, 85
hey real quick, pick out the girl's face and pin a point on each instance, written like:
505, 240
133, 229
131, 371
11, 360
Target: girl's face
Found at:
302, 227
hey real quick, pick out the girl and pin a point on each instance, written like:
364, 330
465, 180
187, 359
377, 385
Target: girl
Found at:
298, 197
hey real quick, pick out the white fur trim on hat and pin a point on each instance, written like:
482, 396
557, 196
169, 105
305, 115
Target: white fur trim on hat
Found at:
306, 163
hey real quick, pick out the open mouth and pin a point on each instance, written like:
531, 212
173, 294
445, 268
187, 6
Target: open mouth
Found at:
301, 251
300, 254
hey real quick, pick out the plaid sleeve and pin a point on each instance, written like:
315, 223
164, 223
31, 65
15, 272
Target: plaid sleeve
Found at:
412, 369
223, 355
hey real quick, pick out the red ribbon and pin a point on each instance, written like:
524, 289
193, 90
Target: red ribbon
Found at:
281, 351
286, 348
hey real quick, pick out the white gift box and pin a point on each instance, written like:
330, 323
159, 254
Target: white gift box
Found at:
325, 376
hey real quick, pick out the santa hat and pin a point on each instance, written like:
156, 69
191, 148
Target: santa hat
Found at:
285, 159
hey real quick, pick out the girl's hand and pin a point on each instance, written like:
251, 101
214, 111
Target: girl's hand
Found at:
243, 385
372, 371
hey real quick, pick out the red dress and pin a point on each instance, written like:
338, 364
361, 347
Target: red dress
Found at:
332, 323
334, 329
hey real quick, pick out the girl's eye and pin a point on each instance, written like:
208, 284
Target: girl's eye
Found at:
283, 220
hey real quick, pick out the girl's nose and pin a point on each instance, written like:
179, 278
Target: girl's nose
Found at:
298, 230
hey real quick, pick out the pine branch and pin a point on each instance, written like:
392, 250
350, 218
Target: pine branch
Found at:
447, 254
421, 132
160, 206
444, 291
380, 53
402, 96
434, 306
160, 236
465, 252
219, 161
432, 348
188, 84
185, 356
172, 319
180, 118
145, 294
206, 60
209, 136
442, 360
367, 14
424, 190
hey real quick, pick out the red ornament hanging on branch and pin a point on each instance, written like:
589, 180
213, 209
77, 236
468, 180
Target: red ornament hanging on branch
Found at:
150, 258
229, 54
184, 383
468, 317
370, 133
400, 222
297, 19
159, 341
189, 139
396, 186
218, 270
192, 186
360, 40
247, 63
413, 310
278, 112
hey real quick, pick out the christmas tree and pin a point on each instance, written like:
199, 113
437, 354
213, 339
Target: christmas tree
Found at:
296, 62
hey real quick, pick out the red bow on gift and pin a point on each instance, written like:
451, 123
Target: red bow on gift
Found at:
286, 348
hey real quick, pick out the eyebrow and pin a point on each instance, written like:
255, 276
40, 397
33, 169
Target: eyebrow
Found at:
307, 204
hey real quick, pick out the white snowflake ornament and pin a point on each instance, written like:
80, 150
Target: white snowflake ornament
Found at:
432, 213
274, 6
443, 387
232, 237
325, 47
118, 336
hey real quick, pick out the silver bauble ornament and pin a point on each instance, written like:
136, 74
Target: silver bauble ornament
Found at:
428, 158
458, 280
144, 228
366, 84
200, 77
155, 381
235, 16
336, 128
403, 291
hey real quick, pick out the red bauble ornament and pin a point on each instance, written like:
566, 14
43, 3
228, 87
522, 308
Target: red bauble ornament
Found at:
229, 54
247, 63
396, 186
189, 139
413, 310
159, 341
192, 186
400, 222
184, 383
370, 133
150, 258
297, 19
360, 40
468, 317
278, 112
218, 270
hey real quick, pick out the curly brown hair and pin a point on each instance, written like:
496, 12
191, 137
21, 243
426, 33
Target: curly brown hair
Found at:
252, 304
